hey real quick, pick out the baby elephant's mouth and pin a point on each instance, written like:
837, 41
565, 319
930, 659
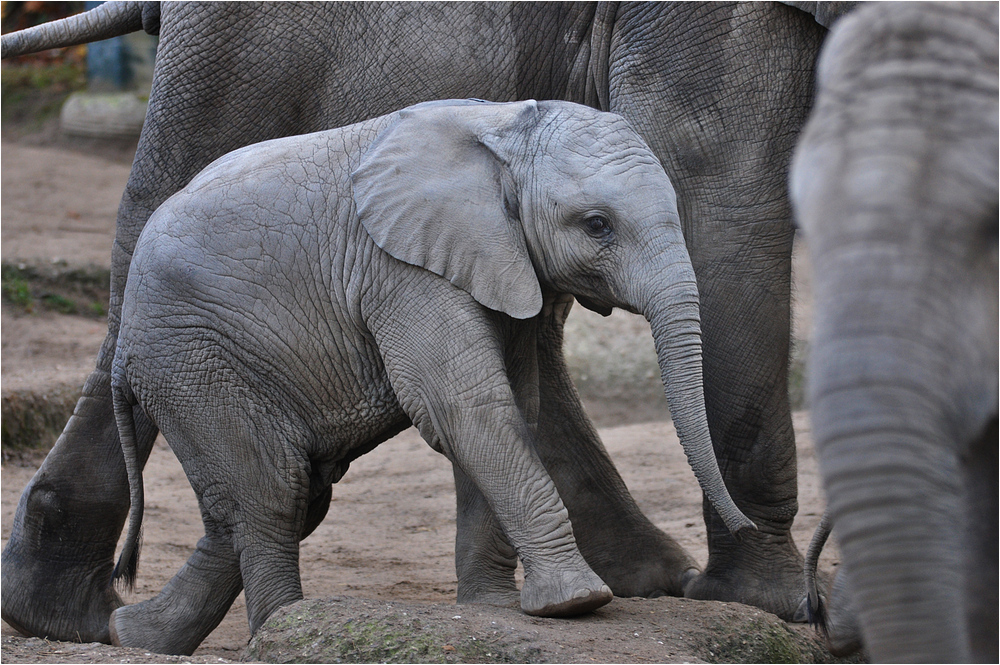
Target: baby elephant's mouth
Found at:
593, 306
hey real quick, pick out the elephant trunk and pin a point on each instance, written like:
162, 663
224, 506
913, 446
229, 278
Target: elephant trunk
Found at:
902, 387
895, 184
674, 318
895, 496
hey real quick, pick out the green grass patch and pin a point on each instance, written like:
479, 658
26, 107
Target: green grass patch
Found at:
15, 289
31, 94
77, 291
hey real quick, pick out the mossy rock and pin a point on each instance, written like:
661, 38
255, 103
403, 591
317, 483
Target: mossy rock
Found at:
346, 630
629, 630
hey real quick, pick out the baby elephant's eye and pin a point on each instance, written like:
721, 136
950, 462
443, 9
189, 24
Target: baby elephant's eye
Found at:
598, 226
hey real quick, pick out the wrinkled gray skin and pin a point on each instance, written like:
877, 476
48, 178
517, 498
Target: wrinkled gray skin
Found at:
719, 91
895, 185
306, 298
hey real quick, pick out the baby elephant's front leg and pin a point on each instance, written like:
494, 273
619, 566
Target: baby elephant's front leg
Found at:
449, 373
489, 442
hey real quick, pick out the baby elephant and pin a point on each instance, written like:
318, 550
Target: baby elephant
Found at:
304, 299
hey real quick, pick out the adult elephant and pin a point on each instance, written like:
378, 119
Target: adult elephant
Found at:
719, 91
895, 185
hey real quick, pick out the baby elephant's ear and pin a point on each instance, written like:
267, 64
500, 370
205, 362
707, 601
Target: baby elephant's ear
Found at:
431, 193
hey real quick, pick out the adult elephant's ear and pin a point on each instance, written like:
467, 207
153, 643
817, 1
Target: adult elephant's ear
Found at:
434, 190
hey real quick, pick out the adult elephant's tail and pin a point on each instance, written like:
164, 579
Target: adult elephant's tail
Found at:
815, 609
111, 19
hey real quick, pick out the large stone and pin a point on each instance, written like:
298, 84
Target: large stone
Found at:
117, 115
662, 630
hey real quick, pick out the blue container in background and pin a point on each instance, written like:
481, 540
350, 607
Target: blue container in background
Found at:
121, 63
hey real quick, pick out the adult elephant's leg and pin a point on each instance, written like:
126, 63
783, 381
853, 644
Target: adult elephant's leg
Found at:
752, 426
720, 92
618, 541
57, 563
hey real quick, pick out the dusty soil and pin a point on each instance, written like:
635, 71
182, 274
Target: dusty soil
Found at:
388, 540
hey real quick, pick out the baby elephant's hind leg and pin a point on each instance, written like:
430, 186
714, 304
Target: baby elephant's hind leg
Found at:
196, 600
189, 607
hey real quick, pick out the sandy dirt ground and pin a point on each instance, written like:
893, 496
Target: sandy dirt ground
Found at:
389, 534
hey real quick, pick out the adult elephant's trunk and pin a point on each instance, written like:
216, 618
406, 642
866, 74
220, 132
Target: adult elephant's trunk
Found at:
675, 322
893, 478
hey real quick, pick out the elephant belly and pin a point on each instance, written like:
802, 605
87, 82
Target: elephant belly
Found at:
345, 430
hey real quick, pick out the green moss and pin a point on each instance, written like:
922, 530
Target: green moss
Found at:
766, 639
756, 641
355, 641
308, 635
367, 642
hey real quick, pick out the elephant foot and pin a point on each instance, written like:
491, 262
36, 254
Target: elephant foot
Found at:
188, 608
644, 573
57, 581
56, 568
840, 626
563, 594
761, 570
56, 600
147, 626
487, 580
498, 598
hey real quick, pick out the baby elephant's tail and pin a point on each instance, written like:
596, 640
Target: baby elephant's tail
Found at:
128, 562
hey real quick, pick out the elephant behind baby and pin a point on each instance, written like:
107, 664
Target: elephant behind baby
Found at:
895, 184
719, 92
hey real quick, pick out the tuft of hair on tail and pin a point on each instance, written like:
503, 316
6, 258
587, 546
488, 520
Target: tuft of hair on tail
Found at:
127, 568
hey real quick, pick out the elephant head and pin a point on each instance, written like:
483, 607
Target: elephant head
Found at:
895, 184
509, 200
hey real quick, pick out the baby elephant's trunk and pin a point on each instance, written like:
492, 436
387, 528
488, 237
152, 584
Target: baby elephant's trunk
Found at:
128, 561
676, 330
